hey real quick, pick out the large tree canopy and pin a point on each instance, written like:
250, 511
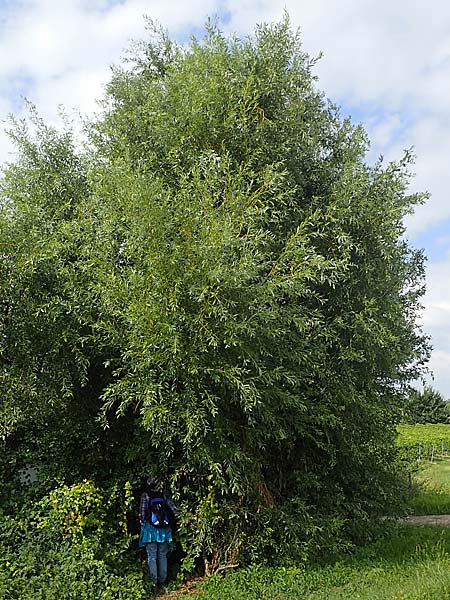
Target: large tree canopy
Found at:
216, 287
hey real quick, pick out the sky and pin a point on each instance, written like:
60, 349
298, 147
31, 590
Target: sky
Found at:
387, 64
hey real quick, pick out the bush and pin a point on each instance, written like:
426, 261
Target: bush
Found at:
67, 546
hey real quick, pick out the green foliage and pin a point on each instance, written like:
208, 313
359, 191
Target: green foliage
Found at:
72, 511
35, 571
67, 545
214, 288
427, 406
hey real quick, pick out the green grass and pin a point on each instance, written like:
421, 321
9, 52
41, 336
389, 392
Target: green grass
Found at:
433, 489
436, 474
429, 502
409, 563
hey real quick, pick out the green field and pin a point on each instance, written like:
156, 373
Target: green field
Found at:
424, 440
433, 488
436, 474
418, 445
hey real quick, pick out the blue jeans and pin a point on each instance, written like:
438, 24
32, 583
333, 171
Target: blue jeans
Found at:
157, 561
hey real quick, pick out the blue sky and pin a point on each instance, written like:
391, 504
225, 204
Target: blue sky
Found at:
387, 64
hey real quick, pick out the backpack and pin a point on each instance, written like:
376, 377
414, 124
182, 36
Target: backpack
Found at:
158, 513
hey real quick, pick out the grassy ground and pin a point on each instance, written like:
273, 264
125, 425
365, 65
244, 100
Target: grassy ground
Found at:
433, 482
436, 474
407, 563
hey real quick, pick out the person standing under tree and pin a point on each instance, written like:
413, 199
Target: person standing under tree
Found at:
156, 515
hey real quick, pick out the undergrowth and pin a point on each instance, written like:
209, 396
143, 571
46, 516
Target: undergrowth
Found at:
408, 563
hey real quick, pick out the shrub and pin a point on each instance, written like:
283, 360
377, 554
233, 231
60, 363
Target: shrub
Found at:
67, 546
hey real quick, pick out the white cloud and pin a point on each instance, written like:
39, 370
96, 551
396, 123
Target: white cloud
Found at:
440, 366
436, 322
63, 48
390, 63
384, 132
430, 137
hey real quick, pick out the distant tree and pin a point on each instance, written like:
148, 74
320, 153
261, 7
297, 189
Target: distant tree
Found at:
427, 406
221, 278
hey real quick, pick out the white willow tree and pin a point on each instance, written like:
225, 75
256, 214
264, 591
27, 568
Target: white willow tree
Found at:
223, 277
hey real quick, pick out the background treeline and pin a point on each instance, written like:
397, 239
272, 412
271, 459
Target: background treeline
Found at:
212, 286
426, 406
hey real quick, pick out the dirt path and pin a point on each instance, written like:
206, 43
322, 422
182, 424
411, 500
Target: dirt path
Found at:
443, 520
189, 588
